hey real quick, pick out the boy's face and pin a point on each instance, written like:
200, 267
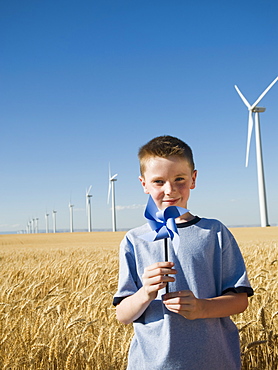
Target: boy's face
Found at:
168, 181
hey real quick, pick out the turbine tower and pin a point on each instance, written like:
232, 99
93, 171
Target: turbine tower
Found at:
254, 111
29, 227
54, 220
71, 216
111, 189
46, 223
88, 208
37, 225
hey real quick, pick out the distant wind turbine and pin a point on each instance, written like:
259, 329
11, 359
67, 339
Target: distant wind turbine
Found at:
37, 225
54, 220
111, 190
254, 111
88, 208
71, 216
29, 227
46, 223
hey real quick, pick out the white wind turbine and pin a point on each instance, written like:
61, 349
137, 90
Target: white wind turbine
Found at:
111, 190
46, 223
71, 216
54, 220
88, 208
254, 111
37, 225
33, 225
29, 227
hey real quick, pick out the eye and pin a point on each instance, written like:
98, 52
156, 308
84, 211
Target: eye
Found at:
180, 179
159, 182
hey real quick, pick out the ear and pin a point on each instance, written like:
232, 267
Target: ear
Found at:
143, 183
194, 177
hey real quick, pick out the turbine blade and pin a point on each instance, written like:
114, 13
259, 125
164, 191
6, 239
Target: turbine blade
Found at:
88, 191
249, 134
109, 191
109, 171
263, 94
243, 97
114, 176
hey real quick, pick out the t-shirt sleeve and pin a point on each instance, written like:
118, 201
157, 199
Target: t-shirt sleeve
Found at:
128, 280
234, 274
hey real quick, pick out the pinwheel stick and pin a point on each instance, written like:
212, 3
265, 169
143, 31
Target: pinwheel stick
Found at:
162, 223
166, 258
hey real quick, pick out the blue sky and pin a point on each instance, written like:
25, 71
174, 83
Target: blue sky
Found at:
85, 83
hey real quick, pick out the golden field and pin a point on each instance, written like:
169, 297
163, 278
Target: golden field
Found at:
56, 292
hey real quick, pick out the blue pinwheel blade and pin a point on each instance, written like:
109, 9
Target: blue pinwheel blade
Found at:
162, 222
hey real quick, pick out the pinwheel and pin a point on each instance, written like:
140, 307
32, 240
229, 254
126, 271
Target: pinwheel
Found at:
162, 223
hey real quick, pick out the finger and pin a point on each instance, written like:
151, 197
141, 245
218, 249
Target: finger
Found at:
181, 293
186, 306
165, 264
160, 279
186, 313
155, 284
158, 272
180, 305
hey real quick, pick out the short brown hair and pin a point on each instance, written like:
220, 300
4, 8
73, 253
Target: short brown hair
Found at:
165, 146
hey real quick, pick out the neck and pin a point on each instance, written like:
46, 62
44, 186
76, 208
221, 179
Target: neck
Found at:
185, 218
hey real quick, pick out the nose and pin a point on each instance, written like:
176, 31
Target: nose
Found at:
169, 188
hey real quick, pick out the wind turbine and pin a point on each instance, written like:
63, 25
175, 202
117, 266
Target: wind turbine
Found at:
37, 225
71, 216
46, 223
88, 208
29, 227
111, 189
54, 220
254, 111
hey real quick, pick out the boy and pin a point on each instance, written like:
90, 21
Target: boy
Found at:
188, 328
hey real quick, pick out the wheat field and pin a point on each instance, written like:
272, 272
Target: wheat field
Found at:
56, 295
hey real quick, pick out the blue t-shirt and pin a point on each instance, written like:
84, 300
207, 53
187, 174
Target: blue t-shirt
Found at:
209, 263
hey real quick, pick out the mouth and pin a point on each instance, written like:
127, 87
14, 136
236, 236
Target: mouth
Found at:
170, 202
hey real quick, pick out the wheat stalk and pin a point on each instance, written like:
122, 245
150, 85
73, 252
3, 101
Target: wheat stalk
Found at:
56, 310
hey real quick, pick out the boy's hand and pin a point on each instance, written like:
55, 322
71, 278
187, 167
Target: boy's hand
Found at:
184, 303
155, 278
